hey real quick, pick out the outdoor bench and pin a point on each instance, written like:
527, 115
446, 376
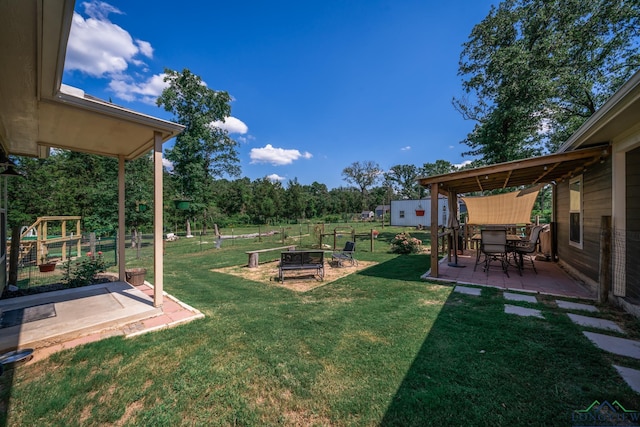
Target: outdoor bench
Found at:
302, 260
254, 255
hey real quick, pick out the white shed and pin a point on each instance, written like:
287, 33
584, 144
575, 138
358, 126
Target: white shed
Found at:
412, 213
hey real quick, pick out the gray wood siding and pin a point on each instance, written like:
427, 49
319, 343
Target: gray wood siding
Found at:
632, 238
596, 201
632, 168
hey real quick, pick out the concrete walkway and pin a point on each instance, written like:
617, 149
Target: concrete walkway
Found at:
89, 314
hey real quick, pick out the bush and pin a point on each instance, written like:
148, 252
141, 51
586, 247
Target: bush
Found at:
83, 272
403, 243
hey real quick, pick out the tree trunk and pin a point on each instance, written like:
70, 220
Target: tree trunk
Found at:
188, 228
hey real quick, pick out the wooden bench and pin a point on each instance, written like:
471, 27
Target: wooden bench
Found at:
254, 255
302, 260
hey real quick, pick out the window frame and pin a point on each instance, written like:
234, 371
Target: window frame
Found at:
576, 208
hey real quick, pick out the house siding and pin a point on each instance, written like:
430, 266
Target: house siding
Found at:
596, 202
632, 202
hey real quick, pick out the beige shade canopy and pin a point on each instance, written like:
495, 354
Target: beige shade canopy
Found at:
506, 208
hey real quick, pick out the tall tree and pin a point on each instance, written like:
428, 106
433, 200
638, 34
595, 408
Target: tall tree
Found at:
363, 175
402, 178
535, 70
202, 151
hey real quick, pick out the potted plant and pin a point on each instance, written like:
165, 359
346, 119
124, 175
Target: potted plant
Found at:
182, 204
45, 265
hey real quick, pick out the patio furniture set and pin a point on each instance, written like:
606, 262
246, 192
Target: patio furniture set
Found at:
497, 245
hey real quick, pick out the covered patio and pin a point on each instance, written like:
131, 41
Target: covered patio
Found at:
520, 174
551, 279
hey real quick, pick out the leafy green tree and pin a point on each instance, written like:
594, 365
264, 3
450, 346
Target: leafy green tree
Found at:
296, 200
535, 70
363, 175
402, 178
202, 151
317, 205
267, 200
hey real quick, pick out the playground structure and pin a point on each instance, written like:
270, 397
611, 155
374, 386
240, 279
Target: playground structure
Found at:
35, 240
341, 231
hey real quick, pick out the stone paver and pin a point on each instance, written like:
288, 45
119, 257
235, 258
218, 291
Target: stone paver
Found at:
467, 290
522, 311
576, 306
615, 345
631, 377
519, 297
594, 322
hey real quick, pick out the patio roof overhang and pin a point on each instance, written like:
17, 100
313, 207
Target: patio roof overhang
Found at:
518, 173
37, 112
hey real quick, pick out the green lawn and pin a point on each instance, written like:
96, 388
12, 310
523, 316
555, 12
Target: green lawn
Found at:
375, 348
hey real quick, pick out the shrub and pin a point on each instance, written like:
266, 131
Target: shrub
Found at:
403, 243
83, 272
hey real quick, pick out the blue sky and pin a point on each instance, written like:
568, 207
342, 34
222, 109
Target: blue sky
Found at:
317, 85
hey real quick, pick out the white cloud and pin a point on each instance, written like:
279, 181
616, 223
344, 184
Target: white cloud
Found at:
407, 148
167, 164
147, 91
451, 147
100, 48
276, 156
463, 164
274, 177
232, 125
145, 48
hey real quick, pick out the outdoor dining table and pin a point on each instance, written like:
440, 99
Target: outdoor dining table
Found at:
511, 240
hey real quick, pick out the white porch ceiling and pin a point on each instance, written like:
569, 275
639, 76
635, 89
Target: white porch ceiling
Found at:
35, 114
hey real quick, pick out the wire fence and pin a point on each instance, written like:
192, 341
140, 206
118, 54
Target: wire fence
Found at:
35, 270
625, 265
139, 247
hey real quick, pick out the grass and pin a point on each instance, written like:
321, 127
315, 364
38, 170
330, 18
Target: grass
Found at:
378, 347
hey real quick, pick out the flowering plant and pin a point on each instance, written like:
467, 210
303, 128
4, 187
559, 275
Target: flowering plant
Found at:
375, 233
403, 243
84, 271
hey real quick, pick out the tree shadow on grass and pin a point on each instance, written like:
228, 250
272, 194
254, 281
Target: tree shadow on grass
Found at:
481, 366
402, 267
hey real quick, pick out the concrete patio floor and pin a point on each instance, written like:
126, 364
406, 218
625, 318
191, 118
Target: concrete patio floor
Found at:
90, 313
551, 278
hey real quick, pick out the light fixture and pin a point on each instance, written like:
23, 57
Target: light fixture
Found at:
10, 171
9, 164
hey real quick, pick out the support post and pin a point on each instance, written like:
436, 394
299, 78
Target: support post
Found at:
158, 203
434, 229
604, 275
121, 224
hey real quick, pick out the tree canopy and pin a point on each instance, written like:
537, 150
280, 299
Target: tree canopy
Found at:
203, 151
534, 70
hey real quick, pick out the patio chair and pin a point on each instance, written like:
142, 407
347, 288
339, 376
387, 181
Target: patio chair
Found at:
345, 255
493, 245
528, 249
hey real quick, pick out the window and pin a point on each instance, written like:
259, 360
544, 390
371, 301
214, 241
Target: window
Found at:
575, 211
401, 214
